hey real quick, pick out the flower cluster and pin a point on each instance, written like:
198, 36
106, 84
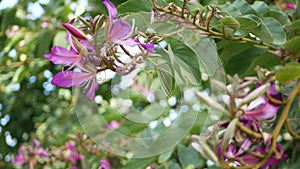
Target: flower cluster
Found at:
243, 140
28, 155
95, 47
68, 155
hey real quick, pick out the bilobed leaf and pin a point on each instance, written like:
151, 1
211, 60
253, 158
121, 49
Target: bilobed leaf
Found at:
230, 22
281, 17
293, 45
184, 54
238, 60
165, 156
133, 6
182, 72
231, 10
260, 7
270, 31
166, 78
265, 60
205, 49
248, 21
141, 20
294, 25
288, 73
277, 32
244, 7
139, 163
189, 156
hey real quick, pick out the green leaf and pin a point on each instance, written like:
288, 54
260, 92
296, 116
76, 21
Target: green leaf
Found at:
182, 72
293, 45
288, 73
239, 63
244, 7
230, 22
265, 60
43, 43
270, 31
167, 81
231, 10
59, 39
276, 29
294, 25
189, 156
205, 49
281, 17
248, 21
165, 156
134, 6
260, 7
139, 163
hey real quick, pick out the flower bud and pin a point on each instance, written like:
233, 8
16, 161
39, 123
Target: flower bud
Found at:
255, 93
211, 102
98, 22
74, 31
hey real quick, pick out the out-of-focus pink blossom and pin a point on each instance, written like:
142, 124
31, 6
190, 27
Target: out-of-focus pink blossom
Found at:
262, 108
290, 6
240, 157
113, 125
72, 155
104, 164
19, 158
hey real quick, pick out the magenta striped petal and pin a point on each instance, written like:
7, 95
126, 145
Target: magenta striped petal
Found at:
112, 10
104, 164
91, 93
60, 55
120, 30
149, 47
67, 79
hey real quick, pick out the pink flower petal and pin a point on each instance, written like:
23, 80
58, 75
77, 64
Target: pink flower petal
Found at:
104, 164
290, 6
120, 30
112, 10
60, 55
149, 47
36, 143
91, 93
129, 42
70, 146
69, 78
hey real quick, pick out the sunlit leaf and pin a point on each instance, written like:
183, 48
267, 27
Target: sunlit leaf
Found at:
288, 73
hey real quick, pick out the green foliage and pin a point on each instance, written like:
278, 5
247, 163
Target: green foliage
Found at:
288, 73
245, 36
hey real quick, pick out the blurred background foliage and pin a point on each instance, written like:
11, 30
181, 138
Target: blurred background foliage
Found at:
29, 103
30, 106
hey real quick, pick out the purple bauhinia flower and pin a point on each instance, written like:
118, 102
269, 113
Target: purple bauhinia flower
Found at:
74, 57
119, 31
105, 164
73, 156
290, 6
113, 125
272, 160
240, 157
19, 158
67, 79
262, 108
62, 56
